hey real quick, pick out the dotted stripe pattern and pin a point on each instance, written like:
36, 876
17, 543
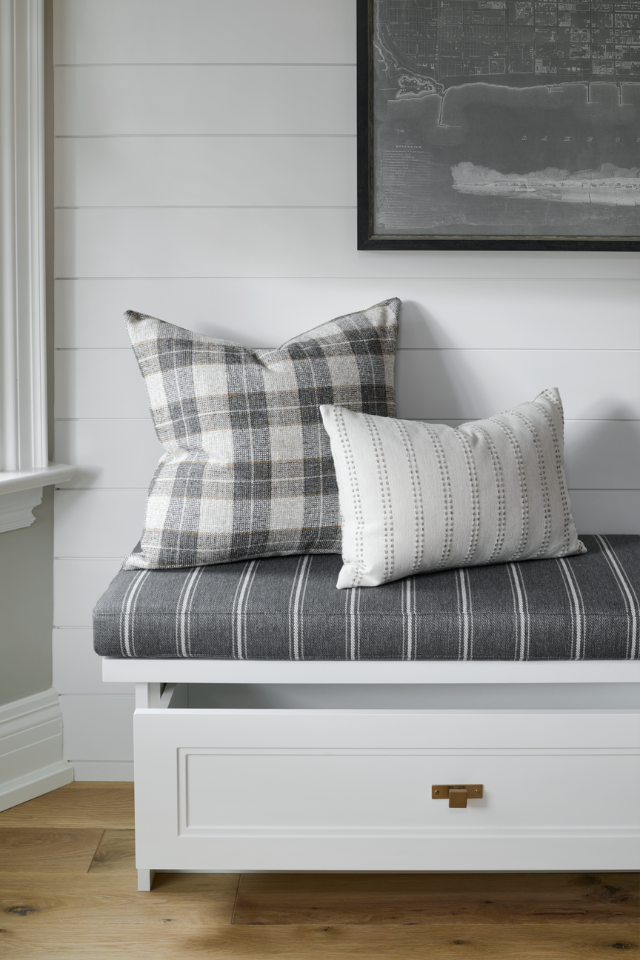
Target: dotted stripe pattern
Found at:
544, 483
385, 490
522, 480
562, 483
434, 497
474, 533
501, 503
356, 496
416, 490
447, 494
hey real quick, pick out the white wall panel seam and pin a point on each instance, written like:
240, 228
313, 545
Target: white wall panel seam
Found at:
377, 278
205, 63
212, 206
457, 384
365, 277
92, 31
186, 99
277, 242
344, 277
187, 136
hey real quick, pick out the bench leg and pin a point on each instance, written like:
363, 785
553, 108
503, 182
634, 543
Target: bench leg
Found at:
145, 879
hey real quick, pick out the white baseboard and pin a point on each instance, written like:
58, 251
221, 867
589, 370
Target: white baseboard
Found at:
31, 749
112, 770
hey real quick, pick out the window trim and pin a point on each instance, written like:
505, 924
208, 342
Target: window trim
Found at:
24, 464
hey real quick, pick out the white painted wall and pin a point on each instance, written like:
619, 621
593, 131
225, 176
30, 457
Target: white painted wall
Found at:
205, 174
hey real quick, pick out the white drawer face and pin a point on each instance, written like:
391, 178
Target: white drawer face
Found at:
290, 792
305, 790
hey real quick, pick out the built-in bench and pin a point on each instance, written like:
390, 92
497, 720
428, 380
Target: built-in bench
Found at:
282, 724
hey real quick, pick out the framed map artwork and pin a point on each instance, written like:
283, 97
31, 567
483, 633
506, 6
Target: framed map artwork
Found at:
499, 124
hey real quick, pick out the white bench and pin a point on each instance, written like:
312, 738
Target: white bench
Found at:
298, 766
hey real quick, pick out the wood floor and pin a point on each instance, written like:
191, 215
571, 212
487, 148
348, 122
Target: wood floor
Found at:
68, 890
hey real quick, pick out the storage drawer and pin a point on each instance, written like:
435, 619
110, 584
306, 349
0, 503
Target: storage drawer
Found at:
245, 790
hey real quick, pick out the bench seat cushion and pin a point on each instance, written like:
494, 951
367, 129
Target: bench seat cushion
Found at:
288, 608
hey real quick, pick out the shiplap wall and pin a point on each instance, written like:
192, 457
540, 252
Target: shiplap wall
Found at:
205, 174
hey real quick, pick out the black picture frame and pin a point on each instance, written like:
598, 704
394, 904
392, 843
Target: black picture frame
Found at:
372, 237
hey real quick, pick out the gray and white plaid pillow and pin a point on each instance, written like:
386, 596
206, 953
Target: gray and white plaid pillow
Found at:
248, 470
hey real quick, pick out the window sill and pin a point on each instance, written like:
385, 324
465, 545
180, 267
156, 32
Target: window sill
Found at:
21, 491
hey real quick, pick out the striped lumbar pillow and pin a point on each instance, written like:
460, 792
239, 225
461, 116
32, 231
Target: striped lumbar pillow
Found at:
247, 470
419, 496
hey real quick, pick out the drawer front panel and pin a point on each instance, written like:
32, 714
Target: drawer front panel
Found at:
209, 804
322, 793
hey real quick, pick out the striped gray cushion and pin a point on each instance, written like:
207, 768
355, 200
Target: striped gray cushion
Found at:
583, 607
247, 470
421, 496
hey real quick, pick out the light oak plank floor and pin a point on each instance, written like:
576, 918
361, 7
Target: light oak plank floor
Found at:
82, 804
407, 899
68, 892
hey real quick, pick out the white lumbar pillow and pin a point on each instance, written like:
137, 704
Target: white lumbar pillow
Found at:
417, 496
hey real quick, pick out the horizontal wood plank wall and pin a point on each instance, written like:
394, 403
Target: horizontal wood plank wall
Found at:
205, 174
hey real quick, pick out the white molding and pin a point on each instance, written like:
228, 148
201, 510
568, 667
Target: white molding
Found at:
22, 233
22, 491
369, 671
16, 508
31, 749
11, 481
23, 332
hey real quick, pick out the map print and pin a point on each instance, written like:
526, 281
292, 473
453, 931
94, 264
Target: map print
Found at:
507, 117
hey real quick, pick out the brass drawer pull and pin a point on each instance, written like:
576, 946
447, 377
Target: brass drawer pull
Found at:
457, 794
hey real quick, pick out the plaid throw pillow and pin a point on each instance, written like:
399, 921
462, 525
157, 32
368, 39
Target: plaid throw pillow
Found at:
248, 470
